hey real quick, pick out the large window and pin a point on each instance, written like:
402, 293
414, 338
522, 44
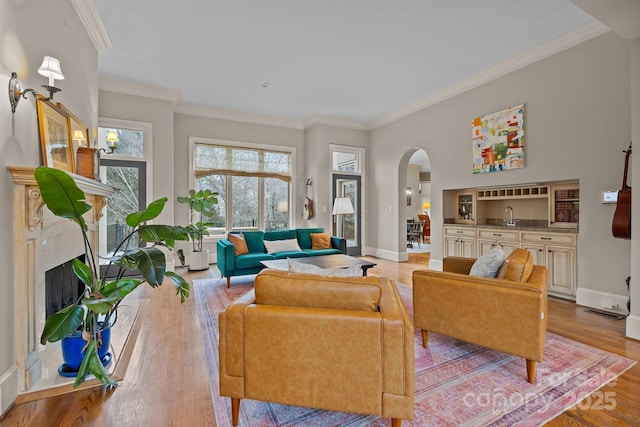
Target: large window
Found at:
253, 183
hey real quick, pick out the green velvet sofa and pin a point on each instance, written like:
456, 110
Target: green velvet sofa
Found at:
231, 265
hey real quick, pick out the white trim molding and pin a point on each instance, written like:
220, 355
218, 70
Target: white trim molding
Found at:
600, 300
129, 88
573, 38
633, 327
8, 389
239, 116
321, 119
88, 14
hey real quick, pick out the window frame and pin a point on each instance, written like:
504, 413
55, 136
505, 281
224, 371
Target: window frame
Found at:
248, 145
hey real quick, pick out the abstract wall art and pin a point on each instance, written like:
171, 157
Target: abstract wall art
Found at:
498, 140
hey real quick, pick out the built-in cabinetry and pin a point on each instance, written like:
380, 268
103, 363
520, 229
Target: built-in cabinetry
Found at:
564, 206
460, 241
466, 208
555, 250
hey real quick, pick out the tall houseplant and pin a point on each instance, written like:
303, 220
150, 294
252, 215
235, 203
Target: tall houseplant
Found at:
97, 307
201, 204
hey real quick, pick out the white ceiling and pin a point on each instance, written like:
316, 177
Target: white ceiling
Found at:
352, 59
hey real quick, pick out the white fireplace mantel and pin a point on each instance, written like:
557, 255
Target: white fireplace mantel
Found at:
41, 242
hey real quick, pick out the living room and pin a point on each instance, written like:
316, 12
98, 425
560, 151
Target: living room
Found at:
582, 109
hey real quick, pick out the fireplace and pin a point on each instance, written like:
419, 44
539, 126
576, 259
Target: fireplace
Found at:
43, 247
61, 287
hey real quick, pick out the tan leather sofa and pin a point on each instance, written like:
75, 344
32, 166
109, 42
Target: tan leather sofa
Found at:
334, 343
504, 314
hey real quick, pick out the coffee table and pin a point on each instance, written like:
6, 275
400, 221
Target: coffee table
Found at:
324, 261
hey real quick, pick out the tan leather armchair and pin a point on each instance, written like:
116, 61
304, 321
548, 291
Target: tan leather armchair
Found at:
334, 343
503, 314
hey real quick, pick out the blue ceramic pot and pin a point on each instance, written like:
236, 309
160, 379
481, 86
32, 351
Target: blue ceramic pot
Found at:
73, 344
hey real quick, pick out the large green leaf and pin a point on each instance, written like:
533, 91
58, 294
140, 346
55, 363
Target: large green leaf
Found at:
153, 210
83, 272
62, 323
100, 305
150, 261
61, 194
182, 286
162, 233
120, 288
91, 364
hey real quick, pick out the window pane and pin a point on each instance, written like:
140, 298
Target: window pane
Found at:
130, 142
277, 162
245, 203
216, 183
345, 162
210, 157
245, 160
121, 203
276, 204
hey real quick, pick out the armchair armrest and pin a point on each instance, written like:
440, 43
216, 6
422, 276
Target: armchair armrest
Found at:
225, 256
339, 243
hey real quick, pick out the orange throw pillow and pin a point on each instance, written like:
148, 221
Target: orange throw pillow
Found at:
517, 266
239, 244
320, 241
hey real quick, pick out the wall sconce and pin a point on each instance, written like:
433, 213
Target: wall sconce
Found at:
112, 138
50, 68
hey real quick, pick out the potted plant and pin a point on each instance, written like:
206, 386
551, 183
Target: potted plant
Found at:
201, 204
96, 310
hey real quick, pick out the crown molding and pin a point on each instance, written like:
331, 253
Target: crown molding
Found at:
88, 14
239, 116
129, 88
573, 38
321, 119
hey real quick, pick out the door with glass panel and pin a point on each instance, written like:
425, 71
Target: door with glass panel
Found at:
348, 225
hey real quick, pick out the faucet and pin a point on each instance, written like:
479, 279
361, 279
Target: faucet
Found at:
511, 222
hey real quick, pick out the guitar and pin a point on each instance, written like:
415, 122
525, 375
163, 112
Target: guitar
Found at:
308, 203
621, 226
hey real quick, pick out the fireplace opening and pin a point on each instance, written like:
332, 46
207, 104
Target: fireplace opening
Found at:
62, 287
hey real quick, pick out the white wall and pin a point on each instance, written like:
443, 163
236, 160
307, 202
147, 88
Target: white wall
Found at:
577, 122
29, 30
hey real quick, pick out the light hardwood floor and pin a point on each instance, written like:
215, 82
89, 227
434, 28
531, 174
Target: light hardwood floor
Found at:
167, 383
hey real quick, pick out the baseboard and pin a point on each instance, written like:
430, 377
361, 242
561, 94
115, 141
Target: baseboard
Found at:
602, 300
385, 254
633, 327
8, 389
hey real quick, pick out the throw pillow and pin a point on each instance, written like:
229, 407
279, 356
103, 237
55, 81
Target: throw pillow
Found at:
488, 265
518, 266
302, 267
320, 241
288, 245
239, 244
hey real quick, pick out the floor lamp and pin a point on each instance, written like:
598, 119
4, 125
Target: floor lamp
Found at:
342, 206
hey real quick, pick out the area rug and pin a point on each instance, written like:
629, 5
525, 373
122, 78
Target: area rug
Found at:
456, 383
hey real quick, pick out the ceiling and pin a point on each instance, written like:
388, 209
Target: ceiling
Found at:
350, 59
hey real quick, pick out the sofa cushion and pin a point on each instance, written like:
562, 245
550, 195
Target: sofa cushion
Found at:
487, 265
517, 266
287, 245
304, 236
320, 241
255, 241
305, 290
280, 235
303, 267
239, 244
251, 260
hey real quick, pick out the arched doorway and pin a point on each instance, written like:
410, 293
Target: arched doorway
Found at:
415, 204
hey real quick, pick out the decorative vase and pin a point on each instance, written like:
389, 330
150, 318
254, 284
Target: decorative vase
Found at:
73, 351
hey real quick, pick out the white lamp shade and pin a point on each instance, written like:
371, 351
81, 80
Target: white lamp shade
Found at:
51, 68
342, 206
